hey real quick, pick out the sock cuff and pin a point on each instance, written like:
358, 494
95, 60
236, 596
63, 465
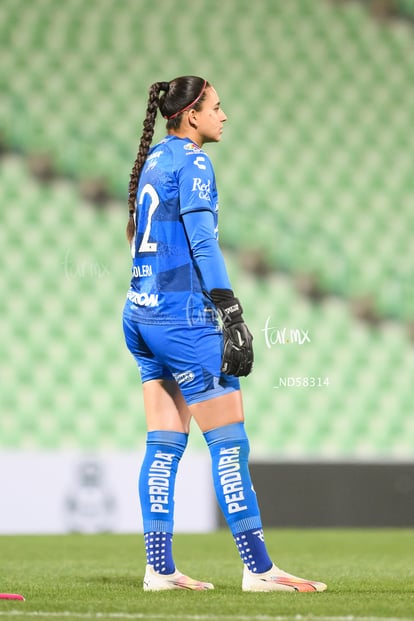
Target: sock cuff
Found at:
247, 524
234, 432
158, 526
175, 439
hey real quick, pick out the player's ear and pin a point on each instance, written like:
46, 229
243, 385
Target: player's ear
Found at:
192, 118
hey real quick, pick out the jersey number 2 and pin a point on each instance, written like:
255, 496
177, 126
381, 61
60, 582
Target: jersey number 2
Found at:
147, 246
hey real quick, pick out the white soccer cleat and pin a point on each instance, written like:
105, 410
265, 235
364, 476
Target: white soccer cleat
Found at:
154, 581
278, 580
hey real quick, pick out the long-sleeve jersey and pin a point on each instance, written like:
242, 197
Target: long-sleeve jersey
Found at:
176, 256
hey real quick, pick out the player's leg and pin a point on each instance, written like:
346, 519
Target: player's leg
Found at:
165, 406
221, 420
167, 437
168, 423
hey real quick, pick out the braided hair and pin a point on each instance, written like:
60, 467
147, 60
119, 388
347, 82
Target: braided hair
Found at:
179, 95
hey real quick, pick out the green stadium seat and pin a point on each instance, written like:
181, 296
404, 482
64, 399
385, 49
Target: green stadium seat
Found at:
314, 173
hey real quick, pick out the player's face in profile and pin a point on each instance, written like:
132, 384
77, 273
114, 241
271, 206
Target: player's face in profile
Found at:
211, 117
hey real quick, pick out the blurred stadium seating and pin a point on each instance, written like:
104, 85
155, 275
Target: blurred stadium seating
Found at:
315, 179
405, 8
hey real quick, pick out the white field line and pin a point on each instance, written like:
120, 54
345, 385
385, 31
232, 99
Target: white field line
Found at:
137, 616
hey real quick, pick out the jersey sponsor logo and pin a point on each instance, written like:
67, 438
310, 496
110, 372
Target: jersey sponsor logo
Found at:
191, 147
199, 162
143, 299
184, 377
203, 189
141, 271
154, 155
152, 160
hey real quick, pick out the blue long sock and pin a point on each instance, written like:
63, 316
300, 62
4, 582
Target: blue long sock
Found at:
164, 450
229, 449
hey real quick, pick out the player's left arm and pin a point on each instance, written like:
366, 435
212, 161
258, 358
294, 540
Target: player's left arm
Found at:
198, 205
238, 341
198, 214
205, 249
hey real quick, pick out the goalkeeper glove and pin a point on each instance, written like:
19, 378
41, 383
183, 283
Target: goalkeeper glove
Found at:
238, 341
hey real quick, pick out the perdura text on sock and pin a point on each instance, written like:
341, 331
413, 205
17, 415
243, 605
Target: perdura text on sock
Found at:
230, 479
159, 481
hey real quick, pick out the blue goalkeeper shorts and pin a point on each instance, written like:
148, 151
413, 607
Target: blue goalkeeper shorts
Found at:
189, 354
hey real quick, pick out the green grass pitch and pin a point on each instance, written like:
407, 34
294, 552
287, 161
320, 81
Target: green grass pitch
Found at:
370, 577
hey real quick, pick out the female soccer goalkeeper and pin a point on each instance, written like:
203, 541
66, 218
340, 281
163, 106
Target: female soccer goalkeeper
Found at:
189, 360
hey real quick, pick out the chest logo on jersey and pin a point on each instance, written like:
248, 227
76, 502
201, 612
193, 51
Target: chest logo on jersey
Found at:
199, 162
203, 189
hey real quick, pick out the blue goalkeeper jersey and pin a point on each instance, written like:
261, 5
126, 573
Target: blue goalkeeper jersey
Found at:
167, 284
